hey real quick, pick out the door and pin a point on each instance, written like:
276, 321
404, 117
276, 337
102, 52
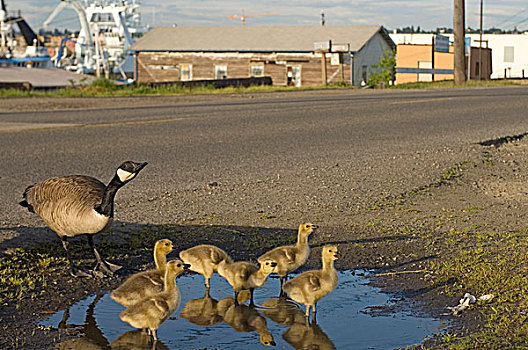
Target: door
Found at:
293, 75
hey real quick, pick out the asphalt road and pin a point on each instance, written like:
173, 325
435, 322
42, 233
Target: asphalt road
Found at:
364, 144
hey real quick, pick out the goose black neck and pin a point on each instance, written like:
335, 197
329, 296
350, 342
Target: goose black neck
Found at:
107, 204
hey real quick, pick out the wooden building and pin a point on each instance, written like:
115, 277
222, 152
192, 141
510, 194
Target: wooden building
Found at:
288, 54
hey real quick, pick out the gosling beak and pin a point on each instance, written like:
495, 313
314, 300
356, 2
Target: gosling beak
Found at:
314, 226
186, 266
273, 264
272, 343
336, 256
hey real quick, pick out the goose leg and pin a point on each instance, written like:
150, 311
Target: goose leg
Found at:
101, 263
251, 302
236, 298
74, 270
283, 279
207, 286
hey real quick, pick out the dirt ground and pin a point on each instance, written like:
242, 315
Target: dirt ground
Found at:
401, 236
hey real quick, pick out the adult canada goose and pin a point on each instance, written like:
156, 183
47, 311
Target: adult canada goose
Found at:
243, 275
311, 286
204, 259
152, 311
79, 205
290, 257
146, 283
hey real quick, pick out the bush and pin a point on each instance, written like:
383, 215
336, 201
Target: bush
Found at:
383, 70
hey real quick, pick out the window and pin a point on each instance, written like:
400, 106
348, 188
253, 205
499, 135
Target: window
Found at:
425, 76
185, 72
508, 53
293, 75
221, 72
364, 75
256, 71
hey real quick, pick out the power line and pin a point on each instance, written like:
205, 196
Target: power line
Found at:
512, 17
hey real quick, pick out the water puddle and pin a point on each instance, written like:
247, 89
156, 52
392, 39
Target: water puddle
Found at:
343, 321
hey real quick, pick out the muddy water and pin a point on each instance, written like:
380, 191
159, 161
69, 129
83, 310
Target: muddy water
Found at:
344, 320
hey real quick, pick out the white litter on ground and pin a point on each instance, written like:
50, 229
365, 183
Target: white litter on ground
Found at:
466, 301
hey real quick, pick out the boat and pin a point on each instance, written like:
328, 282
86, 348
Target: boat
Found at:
108, 29
33, 54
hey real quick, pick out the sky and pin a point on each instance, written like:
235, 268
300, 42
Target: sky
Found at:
392, 14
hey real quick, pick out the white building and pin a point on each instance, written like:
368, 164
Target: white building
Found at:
509, 51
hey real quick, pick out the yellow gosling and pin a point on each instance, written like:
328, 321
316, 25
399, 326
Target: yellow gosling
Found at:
146, 283
311, 286
289, 258
244, 275
152, 311
204, 259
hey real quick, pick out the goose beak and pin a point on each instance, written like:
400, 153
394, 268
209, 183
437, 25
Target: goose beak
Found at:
139, 166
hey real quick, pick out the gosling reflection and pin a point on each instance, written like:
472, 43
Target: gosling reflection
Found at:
202, 311
92, 338
245, 318
301, 334
207, 311
283, 311
137, 339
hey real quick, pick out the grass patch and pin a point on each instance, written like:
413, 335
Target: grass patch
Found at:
105, 88
26, 272
451, 84
488, 263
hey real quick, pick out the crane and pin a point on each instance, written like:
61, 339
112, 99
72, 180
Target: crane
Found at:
244, 16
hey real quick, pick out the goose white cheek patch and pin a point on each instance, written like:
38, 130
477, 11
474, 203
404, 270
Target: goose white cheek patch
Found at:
124, 175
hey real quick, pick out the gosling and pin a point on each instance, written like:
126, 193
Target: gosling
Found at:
289, 258
204, 259
146, 283
311, 286
152, 311
244, 275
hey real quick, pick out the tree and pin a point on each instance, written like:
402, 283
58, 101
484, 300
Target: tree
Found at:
383, 70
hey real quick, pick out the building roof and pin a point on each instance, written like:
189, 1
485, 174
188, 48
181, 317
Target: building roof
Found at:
255, 38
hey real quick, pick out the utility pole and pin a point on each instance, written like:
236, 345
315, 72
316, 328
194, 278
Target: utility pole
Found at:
459, 33
480, 46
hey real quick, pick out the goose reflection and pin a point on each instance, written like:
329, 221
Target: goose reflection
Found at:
137, 339
301, 334
92, 338
207, 311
